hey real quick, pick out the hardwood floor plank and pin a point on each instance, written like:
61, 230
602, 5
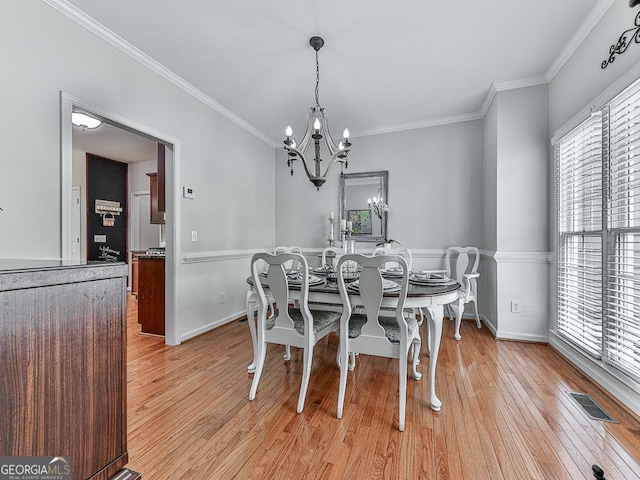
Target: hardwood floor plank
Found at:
506, 414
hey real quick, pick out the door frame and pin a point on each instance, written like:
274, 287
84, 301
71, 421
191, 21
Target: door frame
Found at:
173, 201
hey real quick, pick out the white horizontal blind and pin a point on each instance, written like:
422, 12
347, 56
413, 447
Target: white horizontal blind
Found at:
580, 229
622, 296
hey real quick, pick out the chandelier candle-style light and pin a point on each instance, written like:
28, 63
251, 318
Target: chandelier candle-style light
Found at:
317, 129
378, 206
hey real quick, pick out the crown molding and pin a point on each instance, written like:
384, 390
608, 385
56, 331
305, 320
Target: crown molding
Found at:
101, 31
84, 20
504, 86
432, 122
576, 40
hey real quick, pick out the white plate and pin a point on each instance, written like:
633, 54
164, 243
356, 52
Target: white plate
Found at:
417, 279
313, 280
387, 285
392, 272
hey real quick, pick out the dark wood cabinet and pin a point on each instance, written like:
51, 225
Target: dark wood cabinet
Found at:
151, 294
157, 215
63, 366
134, 270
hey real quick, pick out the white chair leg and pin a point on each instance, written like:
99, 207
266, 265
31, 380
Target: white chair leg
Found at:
344, 365
306, 373
251, 307
402, 399
415, 361
458, 310
287, 353
262, 350
475, 308
352, 361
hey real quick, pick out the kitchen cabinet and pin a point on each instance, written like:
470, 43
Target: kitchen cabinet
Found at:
157, 215
151, 294
134, 270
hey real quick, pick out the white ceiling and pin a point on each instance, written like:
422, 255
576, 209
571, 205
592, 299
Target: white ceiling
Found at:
114, 143
385, 66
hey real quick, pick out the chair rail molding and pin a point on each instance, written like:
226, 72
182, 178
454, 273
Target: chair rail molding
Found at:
518, 257
219, 255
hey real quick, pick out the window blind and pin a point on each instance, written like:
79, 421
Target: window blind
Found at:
579, 217
622, 293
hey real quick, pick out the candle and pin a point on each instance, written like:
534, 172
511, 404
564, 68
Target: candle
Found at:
343, 224
332, 215
331, 234
350, 225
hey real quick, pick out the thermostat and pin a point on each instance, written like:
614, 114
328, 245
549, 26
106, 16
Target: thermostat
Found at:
187, 192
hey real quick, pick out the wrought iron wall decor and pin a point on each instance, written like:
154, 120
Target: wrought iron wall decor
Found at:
623, 42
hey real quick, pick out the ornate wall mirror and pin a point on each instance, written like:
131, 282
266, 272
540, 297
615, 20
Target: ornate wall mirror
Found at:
357, 192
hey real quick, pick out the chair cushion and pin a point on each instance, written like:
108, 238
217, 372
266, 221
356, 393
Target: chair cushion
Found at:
391, 329
321, 320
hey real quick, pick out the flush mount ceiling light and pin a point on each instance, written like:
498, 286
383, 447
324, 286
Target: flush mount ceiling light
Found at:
84, 121
317, 129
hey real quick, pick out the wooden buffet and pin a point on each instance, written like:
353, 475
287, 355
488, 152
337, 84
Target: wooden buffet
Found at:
63, 364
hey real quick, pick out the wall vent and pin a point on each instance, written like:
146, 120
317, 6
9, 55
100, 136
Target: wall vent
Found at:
591, 408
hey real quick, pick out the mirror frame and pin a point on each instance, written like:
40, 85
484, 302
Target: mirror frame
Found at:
383, 175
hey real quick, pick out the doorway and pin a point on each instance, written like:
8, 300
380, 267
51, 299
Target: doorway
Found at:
172, 235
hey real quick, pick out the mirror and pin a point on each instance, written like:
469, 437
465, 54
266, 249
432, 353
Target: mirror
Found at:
356, 189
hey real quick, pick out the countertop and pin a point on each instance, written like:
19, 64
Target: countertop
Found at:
15, 265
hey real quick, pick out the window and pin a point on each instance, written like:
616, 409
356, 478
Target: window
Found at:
598, 215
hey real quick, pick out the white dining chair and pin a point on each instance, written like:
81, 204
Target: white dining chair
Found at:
337, 252
286, 249
462, 265
371, 333
407, 254
288, 325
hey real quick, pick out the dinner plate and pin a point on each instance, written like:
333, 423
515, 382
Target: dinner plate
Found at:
423, 280
297, 280
322, 270
393, 272
387, 285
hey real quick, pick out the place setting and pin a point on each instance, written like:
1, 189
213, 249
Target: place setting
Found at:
387, 285
392, 272
431, 278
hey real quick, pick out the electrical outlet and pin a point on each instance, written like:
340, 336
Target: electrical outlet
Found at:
223, 297
515, 306
194, 236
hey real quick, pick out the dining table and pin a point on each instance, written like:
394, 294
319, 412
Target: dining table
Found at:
432, 298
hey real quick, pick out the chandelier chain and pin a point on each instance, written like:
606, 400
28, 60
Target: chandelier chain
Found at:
317, 80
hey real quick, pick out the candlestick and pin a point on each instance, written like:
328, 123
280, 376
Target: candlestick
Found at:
331, 238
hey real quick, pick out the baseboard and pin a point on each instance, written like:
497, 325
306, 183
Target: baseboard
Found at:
604, 376
210, 326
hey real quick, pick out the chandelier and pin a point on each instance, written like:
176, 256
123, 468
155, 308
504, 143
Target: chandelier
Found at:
377, 206
317, 129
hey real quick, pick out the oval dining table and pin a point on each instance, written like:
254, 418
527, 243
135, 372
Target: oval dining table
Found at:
433, 298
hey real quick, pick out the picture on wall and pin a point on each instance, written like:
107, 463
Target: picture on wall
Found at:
361, 221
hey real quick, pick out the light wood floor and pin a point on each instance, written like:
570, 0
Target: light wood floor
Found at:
506, 414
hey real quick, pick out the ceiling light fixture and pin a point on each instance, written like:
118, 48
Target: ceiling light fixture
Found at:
84, 121
317, 129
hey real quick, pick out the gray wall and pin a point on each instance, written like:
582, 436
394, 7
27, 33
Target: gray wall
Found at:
582, 79
435, 188
580, 84
45, 52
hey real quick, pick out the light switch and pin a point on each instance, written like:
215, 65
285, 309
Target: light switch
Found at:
188, 192
194, 236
